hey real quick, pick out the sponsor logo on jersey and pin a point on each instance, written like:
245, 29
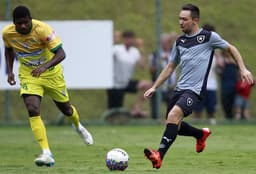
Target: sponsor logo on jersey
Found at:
183, 40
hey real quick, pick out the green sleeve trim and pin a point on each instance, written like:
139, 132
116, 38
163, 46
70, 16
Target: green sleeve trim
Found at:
56, 48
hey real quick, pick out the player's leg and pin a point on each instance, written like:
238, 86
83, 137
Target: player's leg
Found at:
184, 102
172, 123
200, 134
57, 90
70, 111
187, 103
173, 116
32, 103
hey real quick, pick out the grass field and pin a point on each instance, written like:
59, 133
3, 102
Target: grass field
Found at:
232, 20
230, 150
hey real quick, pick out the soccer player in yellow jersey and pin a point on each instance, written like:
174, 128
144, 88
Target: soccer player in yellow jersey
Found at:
39, 51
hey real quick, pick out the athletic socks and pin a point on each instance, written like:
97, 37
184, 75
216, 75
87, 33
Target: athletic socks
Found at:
47, 152
168, 138
74, 118
39, 131
188, 130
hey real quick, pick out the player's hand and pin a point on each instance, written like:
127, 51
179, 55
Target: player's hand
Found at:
38, 71
247, 77
149, 93
11, 79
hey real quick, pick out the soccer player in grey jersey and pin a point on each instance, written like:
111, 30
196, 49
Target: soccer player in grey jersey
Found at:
193, 52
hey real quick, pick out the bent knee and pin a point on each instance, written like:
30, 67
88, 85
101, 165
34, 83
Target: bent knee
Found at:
175, 116
175, 119
33, 110
68, 111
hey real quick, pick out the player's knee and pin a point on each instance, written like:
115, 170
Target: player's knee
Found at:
68, 111
33, 110
173, 118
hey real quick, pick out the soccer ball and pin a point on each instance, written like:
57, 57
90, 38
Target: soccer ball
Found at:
117, 159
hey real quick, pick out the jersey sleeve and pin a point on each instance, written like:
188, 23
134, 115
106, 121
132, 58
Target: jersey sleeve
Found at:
217, 42
5, 40
50, 38
174, 56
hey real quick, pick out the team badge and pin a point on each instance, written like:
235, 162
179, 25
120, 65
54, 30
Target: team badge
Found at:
200, 38
189, 101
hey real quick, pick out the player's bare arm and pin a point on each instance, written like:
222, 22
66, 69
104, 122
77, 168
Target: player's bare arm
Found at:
9, 56
244, 72
166, 72
58, 57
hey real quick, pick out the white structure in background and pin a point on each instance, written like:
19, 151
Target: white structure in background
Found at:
88, 46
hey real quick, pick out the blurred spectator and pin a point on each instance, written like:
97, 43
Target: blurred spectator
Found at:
210, 100
117, 36
228, 78
139, 43
126, 56
243, 90
167, 41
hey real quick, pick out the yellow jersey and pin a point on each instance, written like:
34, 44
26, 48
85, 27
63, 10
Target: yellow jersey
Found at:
33, 49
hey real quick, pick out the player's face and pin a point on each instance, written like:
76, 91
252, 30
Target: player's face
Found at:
23, 25
186, 21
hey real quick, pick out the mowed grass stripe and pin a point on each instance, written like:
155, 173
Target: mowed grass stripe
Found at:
230, 149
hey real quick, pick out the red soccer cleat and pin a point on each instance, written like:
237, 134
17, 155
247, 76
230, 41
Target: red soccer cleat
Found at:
154, 157
201, 142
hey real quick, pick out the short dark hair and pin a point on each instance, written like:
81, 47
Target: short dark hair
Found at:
128, 34
208, 27
20, 12
195, 12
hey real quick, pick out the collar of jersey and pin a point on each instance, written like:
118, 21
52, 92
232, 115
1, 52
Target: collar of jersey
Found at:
195, 33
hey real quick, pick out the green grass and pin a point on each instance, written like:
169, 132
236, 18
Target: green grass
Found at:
230, 150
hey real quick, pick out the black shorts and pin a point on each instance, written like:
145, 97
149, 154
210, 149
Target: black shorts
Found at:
116, 96
186, 100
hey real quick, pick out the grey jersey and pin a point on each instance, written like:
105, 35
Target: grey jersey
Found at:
194, 55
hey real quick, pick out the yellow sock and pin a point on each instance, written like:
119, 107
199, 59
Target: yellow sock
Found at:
74, 117
39, 131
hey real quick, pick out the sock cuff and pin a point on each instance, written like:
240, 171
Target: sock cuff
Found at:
35, 118
171, 125
74, 110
